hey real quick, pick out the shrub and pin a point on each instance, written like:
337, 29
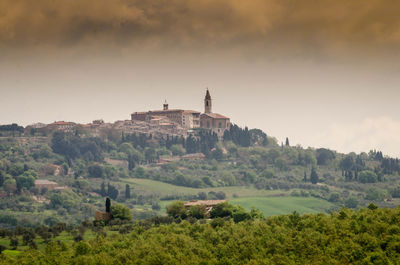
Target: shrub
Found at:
119, 211
177, 210
82, 248
367, 176
351, 203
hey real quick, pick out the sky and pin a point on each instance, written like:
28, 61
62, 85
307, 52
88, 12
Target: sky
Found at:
322, 73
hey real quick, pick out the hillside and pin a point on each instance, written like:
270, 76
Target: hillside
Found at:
147, 173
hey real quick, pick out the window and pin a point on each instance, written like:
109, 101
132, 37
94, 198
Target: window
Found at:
219, 125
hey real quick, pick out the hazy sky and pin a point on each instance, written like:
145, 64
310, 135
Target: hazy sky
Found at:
323, 73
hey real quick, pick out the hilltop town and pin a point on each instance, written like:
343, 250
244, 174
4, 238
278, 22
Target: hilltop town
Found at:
157, 123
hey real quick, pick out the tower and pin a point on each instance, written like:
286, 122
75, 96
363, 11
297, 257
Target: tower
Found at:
165, 105
207, 103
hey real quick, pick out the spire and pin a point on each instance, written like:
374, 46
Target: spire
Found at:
207, 102
208, 95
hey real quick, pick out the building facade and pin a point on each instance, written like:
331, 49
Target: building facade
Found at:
215, 122
189, 119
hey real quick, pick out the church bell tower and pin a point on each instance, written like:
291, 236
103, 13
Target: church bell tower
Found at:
207, 103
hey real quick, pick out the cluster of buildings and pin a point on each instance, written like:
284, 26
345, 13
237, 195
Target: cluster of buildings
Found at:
172, 122
189, 119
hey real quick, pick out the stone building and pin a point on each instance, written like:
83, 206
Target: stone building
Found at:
186, 118
216, 122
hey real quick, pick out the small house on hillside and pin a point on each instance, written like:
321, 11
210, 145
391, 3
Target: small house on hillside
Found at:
208, 204
44, 183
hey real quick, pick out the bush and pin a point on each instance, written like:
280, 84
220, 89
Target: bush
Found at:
177, 210
197, 211
334, 197
119, 211
375, 194
367, 176
82, 248
351, 203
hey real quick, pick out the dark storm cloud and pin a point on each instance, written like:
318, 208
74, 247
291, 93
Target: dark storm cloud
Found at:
330, 26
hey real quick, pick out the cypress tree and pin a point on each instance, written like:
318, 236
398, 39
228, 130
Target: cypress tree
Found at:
127, 191
108, 205
314, 176
103, 189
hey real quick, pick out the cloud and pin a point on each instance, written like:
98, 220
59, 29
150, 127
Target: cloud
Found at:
379, 133
329, 27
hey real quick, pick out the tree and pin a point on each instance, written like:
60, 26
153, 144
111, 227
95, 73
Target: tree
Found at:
287, 142
14, 242
367, 176
108, 205
177, 150
28, 236
103, 189
177, 210
351, 203
26, 180
131, 162
2, 178
375, 194
112, 191
119, 211
96, 171
127, 191
197, 211
314, 176
324, 156
334, 197
202, 195
222, 210
305, 176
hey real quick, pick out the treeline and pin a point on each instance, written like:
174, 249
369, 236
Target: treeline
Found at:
366, 236
12, 128
355, 168
73, 146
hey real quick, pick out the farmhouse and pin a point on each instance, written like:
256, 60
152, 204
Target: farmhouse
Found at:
208, 204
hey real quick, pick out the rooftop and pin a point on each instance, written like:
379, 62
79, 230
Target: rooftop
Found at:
215, 115
45, 182
204, 202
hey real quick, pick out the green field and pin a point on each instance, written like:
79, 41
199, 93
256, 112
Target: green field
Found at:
284, 205
269, 202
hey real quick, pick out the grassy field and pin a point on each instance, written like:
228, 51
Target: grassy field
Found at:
269, 202
284, 205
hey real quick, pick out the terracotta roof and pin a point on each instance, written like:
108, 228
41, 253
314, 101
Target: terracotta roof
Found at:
205, 202
191, 112
215, 115
168, 110
62, 123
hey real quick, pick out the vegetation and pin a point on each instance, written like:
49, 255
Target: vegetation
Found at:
366, 236
145, 174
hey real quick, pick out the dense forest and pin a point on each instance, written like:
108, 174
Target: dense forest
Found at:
366, 236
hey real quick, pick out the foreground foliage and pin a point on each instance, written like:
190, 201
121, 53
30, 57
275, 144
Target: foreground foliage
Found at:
367, 236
